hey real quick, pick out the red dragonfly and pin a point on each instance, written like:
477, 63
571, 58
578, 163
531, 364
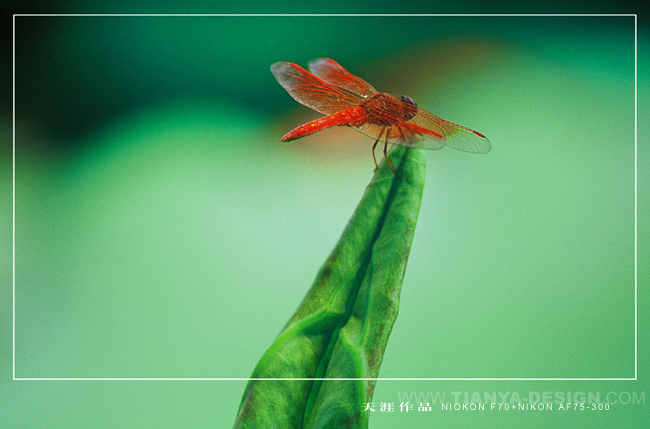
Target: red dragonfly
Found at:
349, 100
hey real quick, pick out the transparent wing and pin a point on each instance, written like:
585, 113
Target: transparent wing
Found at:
331, 72
403, 134
427, 131
311, 91
455, 136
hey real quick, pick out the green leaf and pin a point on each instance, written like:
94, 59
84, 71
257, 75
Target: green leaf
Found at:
341, 328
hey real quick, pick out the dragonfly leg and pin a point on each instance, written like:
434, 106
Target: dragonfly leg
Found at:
374, 158
386, 155
373, 154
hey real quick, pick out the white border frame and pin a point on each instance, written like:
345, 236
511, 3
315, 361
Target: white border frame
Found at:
333, 379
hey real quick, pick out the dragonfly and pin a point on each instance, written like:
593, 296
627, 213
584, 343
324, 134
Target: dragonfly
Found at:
348, 100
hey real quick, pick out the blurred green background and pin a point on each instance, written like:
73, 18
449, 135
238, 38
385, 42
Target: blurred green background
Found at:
163, 231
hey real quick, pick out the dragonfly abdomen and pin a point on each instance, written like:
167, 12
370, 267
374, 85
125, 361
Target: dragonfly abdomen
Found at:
344, 117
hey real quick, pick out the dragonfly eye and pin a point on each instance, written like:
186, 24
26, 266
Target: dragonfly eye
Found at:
410, 107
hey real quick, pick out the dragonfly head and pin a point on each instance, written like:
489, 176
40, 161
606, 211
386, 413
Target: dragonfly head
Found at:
409, 106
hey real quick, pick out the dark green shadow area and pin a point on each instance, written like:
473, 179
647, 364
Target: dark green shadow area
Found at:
341, 328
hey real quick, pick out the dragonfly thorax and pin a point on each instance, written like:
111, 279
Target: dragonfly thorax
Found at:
385, 109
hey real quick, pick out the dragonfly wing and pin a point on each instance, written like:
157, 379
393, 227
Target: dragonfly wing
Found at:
311, 91
331, 72
453, 135
403, 134
427, 131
